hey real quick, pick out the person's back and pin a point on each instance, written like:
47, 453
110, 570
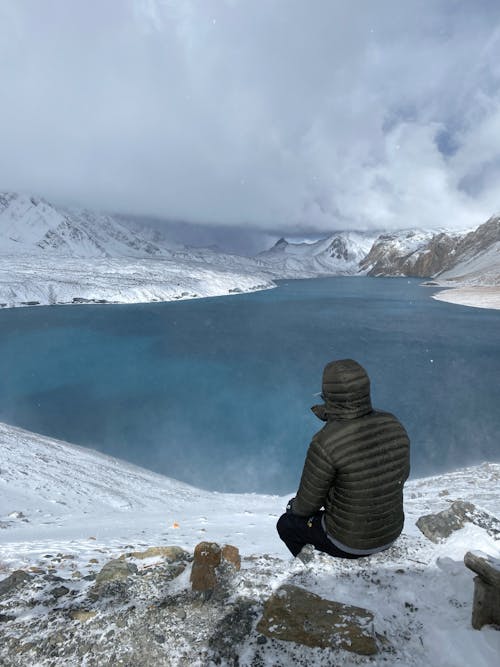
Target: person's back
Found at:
355, 468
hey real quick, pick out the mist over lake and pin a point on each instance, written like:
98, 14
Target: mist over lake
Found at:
216, 392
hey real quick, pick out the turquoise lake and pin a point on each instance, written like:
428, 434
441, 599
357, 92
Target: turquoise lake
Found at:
216, 392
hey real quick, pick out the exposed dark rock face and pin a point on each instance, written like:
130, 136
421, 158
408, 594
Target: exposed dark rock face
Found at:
339, 249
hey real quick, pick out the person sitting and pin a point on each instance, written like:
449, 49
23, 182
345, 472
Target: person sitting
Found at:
355, 469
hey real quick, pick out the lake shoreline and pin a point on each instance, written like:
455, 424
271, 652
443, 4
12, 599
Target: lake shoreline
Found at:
474, 296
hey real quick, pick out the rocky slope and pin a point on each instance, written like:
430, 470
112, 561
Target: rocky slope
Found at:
476, 257
418, 253
470, 257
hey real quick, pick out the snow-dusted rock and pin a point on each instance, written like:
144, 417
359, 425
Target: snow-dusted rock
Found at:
441, 525
15, 580
296, 615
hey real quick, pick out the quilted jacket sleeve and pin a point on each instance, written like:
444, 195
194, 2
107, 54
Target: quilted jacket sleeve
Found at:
317, 477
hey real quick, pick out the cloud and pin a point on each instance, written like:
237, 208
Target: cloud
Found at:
284, 115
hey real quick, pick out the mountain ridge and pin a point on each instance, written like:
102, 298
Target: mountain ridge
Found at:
70, 243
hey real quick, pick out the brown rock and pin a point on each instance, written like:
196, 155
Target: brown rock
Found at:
81, 615
231, 554
207, 556
115, 570
169, 553
294, 614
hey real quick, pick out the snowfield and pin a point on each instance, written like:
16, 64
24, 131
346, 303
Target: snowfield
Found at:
27, 280
68, 510
476, 296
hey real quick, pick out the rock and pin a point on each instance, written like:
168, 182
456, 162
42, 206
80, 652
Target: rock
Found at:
296, 615
4, 618
111, 580
171, 554
232, 631
115, 570
59, 591
207, 556
231, 554
81, 615
14, 581
437, 527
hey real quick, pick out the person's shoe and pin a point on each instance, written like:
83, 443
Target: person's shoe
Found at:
306, 554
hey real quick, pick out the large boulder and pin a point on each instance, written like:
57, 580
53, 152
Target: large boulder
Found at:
230, 554
296, 615
111, 581
441, 525
207, 557
212, 565
115, 570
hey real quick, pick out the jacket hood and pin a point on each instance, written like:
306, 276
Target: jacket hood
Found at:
346, 391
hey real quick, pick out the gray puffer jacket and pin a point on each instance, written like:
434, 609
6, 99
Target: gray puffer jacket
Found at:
356, 465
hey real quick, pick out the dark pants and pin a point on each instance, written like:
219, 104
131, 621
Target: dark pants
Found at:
296, 531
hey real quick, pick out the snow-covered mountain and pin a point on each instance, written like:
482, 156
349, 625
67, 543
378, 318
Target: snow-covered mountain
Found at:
476, 258
66, 511
411, 252
31, 225
50, 255
339, 254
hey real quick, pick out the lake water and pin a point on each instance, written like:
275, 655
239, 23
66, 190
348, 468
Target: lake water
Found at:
216, 392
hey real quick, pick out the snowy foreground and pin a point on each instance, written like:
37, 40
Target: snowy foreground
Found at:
26, 280
66, 511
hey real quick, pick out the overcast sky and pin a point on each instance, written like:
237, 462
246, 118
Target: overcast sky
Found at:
289, 116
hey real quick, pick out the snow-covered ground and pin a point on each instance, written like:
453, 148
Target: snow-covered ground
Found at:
477, 296
26, 280
71, 510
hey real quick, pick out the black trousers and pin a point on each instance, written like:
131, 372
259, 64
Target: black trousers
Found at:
296, 531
